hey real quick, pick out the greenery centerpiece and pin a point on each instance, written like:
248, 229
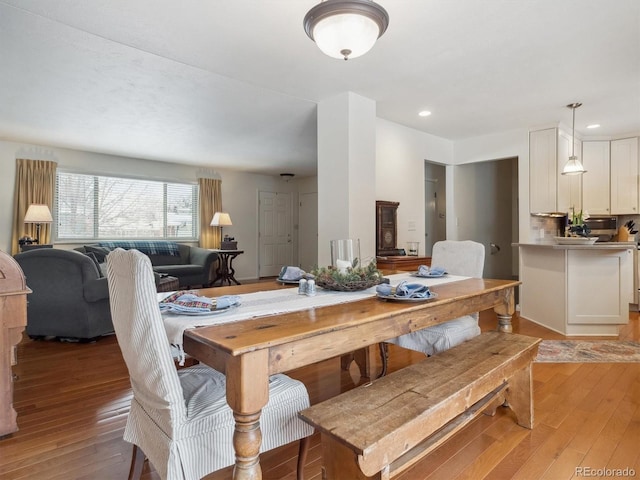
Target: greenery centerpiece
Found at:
351, 279
577, 227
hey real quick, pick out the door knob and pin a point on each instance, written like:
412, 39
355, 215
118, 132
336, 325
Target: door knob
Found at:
494, 248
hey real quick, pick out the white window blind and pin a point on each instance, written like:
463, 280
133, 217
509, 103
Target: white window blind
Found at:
93, 207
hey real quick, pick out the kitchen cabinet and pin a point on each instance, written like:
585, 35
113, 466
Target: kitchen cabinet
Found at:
543, 170
569, 186
625, 197
549, 190
596, 182
591, 286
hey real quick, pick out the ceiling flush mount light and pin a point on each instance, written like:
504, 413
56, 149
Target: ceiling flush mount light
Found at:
424, 113
595, 125
573, 165
346, 28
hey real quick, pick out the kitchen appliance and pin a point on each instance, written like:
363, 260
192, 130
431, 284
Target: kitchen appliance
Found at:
602, 227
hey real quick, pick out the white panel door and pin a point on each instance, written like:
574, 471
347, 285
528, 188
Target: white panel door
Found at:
274, 232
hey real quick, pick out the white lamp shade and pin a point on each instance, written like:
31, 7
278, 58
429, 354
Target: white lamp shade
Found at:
573, 167
346, 32
38, 214
221, 219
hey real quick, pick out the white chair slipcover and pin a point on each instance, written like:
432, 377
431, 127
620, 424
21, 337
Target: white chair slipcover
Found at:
464, 258
180, 418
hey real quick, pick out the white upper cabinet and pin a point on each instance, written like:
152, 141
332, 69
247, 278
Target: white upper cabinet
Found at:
596, 182
549, 190
569, 186
543, 170
624, 176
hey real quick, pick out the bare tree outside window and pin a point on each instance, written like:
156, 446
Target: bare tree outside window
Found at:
91, 207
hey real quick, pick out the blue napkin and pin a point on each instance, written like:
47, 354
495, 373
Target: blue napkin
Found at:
291, 273
412, 290
424, 271
385, 289
404, 290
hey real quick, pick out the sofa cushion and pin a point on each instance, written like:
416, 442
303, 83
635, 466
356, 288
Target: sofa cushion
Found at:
93, 257
99, 252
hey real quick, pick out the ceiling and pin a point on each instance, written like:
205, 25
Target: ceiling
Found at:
235, 84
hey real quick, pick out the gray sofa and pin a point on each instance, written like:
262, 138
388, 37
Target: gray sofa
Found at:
192, 266
69, 297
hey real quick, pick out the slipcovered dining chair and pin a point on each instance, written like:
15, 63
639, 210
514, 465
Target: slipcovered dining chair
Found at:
180, 419
464, 258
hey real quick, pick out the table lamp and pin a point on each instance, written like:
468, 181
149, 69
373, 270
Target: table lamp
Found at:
38, 214
221, 219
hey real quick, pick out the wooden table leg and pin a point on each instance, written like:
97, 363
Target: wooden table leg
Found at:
366, 359
505, 310
247, 393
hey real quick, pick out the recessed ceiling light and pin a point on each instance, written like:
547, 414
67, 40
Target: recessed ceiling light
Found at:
595, 125
424, 113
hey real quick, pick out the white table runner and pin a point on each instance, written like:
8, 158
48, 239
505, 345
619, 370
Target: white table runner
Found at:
273, 302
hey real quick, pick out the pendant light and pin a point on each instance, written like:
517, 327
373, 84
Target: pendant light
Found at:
573, 165
346, 28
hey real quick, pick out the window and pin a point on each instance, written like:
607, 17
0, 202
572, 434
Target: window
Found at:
92, 207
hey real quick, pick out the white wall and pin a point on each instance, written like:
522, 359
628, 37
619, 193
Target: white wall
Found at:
346, 173
400, 156
514, 143
239, 191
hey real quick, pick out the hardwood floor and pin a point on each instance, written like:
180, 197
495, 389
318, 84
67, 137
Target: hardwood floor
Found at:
72, 402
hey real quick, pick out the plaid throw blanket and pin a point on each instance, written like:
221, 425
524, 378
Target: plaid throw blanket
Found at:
148, 247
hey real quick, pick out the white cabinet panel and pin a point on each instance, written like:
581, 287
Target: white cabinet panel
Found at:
624, 176
569, 186
598, 286
542, 170
595, 183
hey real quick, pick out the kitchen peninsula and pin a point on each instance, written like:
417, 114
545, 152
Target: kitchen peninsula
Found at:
577, 289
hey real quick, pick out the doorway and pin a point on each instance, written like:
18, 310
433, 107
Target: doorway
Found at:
487, 211
435, 224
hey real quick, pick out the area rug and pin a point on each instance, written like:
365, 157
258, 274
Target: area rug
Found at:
585, 351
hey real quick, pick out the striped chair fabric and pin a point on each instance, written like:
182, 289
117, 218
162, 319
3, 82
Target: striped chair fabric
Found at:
180, 418
464, 258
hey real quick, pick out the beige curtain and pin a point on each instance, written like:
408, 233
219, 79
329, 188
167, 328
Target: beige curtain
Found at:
210, 203
35, 183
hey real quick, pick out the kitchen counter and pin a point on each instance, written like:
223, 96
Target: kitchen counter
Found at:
577, 289
595, 246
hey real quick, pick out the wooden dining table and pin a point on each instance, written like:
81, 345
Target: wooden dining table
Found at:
249, 351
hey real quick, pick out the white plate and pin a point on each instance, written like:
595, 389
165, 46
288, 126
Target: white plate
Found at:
407, 299
429, 275
575, 240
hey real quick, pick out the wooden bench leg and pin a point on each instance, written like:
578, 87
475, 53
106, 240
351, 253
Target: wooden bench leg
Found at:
519, 396
341, 463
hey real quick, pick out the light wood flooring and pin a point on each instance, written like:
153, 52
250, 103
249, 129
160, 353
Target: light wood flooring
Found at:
72, 402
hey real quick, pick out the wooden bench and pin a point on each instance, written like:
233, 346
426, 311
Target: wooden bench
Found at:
380, 429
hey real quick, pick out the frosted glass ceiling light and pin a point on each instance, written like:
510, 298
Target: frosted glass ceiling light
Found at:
346, 28
573, 165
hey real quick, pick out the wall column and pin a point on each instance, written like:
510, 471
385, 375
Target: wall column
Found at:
346, 173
